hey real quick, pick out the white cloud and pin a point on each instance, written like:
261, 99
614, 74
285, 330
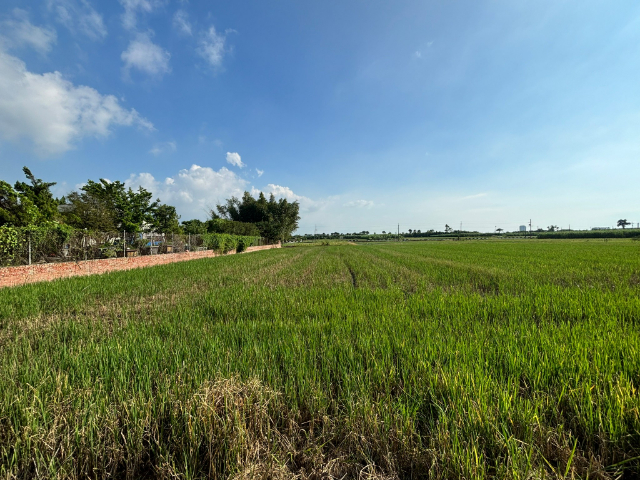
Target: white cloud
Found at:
360, 204
417, 54
259, 172
306, 203
211, 47
146, 56
475, 196
79, 15
181, 23
18, 31
131, 9
279, 191
53, 113
234, 159
164, 147
193, 191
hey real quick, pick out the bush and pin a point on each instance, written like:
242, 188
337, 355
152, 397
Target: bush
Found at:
10, 240
630, 233
221, 225
224, 242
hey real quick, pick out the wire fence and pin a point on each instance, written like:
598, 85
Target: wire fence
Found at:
51, 246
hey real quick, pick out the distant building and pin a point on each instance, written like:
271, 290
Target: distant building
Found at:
601, 228
523, 228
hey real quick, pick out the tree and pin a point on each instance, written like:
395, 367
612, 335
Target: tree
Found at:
16, 210
165, 219
499, 230
623, 223
221, 225
132, 210
194, 227
447, 229
27, 203
90, 212
275, 219
39, 194
552, 228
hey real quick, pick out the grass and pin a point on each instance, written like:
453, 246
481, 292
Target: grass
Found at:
413, 360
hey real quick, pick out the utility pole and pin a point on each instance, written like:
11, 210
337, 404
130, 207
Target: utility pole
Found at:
398, 232
529, 227
459, 231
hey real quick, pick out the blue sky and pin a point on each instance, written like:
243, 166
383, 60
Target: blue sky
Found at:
369, 113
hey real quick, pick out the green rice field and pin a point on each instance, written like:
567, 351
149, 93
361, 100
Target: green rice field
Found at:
444, 360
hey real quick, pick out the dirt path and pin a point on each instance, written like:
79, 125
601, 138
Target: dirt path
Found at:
14, 276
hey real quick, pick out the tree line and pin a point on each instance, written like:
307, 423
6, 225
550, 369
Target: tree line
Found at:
107, 206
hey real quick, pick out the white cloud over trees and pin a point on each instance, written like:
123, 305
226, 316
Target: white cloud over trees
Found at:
193, 190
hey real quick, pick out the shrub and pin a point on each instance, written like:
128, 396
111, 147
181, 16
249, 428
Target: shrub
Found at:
10, 240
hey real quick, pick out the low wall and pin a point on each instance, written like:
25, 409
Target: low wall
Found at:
14, 276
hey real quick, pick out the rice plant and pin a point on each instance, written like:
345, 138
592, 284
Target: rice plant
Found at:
402, 360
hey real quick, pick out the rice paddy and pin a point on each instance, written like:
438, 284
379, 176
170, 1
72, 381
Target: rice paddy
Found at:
510, 360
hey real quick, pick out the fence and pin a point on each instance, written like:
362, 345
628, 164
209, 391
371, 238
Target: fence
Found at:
28, 247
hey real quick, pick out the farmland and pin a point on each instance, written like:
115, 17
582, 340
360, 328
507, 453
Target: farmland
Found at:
402, 360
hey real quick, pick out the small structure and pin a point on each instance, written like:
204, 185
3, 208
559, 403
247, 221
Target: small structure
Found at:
523, 228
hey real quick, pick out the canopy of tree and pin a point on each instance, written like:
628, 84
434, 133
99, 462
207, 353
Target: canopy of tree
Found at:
220, 225
623, 222
109, 206
275, 219
27, 203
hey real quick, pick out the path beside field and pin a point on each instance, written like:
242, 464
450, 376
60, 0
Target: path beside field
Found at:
14, 276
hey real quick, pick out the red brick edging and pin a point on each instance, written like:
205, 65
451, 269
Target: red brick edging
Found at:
14, 276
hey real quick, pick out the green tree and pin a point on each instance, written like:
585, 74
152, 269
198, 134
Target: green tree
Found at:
275, 219
194, 227
222, 225
39, 194
165, 219
623, 223
90, 212
16, 210
27, 203
132, 210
